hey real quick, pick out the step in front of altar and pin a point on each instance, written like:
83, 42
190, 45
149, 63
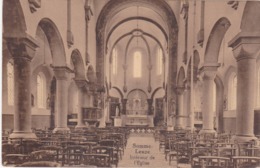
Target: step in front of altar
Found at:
138, 120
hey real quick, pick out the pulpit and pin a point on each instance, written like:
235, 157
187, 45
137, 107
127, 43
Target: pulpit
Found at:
91, 115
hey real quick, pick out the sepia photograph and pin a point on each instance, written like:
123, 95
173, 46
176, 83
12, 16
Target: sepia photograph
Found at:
130, 83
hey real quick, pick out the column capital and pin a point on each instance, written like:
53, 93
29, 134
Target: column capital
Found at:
22, 47
179, 90
209, 71
62, 72
124, 100
187, 84
81, 83
150, 101
245, 45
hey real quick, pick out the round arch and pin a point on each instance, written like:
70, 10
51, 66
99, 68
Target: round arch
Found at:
47, 71
13, 19
113, 7
91, 75
155, 91
146, 44
181, 77
229, 71
215, 39
119, 91
251, 11
130, 33
55, 41
134, 90
78, 63
137, 18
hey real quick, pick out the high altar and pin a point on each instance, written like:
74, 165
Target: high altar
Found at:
137, 111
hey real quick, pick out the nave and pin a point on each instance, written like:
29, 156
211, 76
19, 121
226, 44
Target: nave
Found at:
184, 72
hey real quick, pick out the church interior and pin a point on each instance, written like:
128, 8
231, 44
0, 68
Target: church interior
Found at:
131, 83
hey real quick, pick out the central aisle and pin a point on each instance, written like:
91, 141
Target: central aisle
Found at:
143, 151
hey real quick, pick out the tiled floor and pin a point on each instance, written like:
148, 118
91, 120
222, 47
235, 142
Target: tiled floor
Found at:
143, 151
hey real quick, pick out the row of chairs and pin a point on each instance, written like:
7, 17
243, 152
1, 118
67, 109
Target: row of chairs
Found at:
99, 147
207, 150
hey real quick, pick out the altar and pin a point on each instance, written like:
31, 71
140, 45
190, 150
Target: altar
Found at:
137, 111
136, 120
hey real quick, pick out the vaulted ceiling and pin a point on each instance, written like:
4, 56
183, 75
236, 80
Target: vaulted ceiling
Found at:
136, 26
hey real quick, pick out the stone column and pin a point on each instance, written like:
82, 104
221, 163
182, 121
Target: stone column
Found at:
62, 75
124, 101
81, 90
190, 118
209, 74
150, 104
245, 48
179, 115
22, 51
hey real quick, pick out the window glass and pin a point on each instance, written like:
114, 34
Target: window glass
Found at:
137, 64
114, 61
159, 61
41, 90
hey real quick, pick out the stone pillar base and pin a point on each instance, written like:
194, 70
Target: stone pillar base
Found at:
170, 128
61, 129
243, 138
178, 127
207, 131
189, 128
80, 126
22, 135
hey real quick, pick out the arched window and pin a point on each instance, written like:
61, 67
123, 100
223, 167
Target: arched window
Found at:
159, 61
137, 64
10, 83
114, 61
258, 89
41, 90
232, 92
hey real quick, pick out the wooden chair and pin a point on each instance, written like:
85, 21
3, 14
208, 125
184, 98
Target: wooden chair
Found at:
162, 140
15, 159
107, 151
183, 151
226, 151
74, 154
7, 149
43, 155
26, 146
99, 160
214, 162
196, 152
39, 164
172, 150
88, 146
57, 150
246, 161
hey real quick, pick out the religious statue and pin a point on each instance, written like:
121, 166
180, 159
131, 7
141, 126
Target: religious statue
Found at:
152, 110
117, 111
172, 111
48, 102
32, 100
225, 103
